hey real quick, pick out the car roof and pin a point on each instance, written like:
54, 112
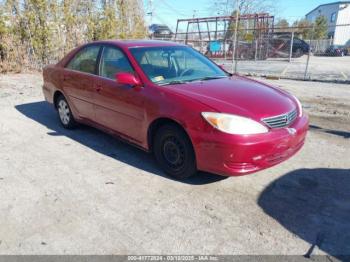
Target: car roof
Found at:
139, 43
159, 25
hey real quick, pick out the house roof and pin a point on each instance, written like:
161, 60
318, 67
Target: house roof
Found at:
334, 3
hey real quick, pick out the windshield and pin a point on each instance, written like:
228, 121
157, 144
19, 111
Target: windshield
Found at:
175, 64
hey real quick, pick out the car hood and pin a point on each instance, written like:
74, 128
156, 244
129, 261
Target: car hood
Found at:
238, 95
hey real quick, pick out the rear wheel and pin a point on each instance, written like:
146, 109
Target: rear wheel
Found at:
65, 114
298, 53
174, 152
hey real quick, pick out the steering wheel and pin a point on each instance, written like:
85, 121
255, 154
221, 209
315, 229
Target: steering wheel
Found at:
186, 71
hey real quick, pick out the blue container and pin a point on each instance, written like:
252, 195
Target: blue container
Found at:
215, 46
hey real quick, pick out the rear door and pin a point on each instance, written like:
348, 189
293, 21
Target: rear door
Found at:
118, 107
78, 80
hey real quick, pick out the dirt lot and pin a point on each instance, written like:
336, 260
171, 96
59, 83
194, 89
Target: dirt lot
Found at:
84, 192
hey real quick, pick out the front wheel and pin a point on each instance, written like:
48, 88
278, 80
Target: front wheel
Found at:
174, 152
65, 113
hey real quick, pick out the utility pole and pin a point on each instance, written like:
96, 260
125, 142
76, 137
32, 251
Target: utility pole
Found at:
193, 24
150, 10
149, 13
234, 62
194, 13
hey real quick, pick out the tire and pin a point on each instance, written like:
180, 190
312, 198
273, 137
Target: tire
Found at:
174, 152
65, 113
298, 53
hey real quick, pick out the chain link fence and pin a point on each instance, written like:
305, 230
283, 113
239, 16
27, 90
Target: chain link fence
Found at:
276, 52
281, 53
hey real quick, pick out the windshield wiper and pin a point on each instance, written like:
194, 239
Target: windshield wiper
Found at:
178, 82
209, 78
174, 82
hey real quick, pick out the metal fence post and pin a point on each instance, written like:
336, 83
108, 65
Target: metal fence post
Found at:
307, 65
309, 54
291, 48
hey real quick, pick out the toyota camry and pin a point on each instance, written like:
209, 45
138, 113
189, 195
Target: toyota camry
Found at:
169, 99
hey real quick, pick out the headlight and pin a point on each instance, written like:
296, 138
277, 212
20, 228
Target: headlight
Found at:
233, 124
300, 107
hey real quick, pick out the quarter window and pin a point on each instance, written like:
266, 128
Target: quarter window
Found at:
85, 60
114, 61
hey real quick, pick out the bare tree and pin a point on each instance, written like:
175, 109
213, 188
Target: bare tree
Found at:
227, 7
34, 33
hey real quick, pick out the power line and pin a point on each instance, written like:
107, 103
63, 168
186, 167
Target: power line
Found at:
179, 12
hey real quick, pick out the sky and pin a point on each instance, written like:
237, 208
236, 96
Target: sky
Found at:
168, 11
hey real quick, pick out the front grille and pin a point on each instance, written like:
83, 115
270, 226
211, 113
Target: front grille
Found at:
281, 120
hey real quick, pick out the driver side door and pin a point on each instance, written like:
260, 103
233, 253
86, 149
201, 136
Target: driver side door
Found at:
118, 107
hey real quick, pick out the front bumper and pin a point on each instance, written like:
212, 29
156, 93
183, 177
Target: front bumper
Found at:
233, 155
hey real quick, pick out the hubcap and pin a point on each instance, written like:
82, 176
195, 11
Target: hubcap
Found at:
173, 152
63, 111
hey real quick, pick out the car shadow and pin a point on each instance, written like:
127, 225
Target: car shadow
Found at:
313, 204
344, 134
44, 113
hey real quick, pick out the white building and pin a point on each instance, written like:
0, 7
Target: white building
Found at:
337, 14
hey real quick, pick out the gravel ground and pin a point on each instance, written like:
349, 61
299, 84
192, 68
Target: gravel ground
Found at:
85, 192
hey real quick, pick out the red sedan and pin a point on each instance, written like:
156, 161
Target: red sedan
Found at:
169, 99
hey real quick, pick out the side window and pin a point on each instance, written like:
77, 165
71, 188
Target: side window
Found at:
113, 61
333, 17
85, 60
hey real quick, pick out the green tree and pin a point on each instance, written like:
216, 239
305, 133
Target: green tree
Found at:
15, 41
3, 27
69, 22
36, 15
321, 27
282, 26
232, 27
109, 21
303, 28
92, 16
137, 27
3, 33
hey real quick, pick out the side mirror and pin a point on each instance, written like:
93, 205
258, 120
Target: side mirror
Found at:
128, 79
